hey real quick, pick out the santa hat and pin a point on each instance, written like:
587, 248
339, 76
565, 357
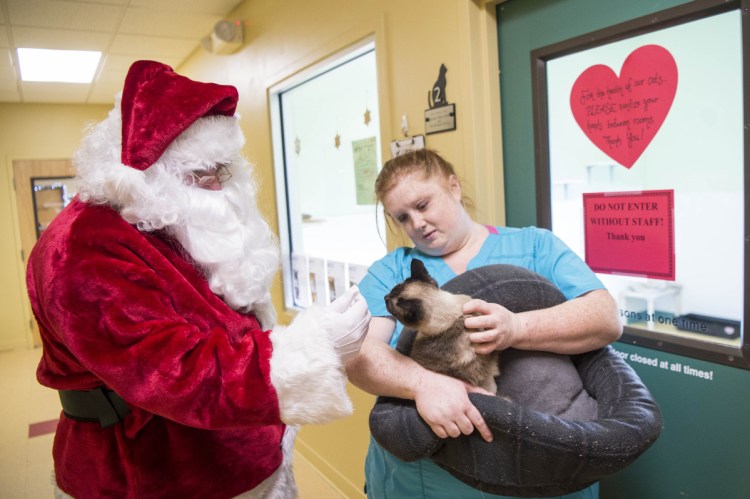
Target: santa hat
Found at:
158, 105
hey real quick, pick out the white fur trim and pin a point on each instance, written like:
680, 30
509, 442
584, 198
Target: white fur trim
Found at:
306, 371
59, 494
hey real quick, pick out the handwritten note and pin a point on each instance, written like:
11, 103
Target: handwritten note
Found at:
621, 115
365, 156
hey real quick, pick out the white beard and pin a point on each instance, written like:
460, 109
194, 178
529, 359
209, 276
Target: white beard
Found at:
226, 236
222, 231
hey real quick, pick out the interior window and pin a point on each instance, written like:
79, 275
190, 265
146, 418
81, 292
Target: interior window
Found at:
327, 156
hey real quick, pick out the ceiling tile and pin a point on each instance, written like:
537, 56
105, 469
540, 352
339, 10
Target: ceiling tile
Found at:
115, 67
6, 63
114, 72
125, 30
10, 96
59, 39
158, 46
215, 7
63, 14
104, 93
54, 92
165, 23
103, 2
8, 84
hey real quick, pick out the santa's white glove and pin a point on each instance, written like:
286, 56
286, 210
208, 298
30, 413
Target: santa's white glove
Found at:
350, 324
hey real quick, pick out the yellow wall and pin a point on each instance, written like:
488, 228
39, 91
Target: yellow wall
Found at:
283, 38
29, 131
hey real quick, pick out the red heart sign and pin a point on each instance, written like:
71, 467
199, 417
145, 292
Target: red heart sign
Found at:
621, 115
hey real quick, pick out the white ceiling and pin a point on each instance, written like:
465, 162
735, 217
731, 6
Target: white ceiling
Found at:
123, 30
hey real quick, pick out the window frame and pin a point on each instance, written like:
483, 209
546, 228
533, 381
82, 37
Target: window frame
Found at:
693, 11
285, 194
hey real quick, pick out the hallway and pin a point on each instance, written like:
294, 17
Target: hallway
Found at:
28, 416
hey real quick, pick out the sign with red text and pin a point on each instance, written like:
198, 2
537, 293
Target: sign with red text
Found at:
630, 233
621, 114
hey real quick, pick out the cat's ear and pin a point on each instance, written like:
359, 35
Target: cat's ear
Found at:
419, 272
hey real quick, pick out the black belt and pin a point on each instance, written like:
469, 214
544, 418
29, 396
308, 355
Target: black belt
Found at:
98, 405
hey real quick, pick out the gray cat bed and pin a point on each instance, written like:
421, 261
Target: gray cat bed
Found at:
570, 420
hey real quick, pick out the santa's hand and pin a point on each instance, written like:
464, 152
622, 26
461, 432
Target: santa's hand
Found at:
352, 319
327, 337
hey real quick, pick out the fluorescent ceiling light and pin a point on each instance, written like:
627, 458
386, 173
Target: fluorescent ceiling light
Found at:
66, 66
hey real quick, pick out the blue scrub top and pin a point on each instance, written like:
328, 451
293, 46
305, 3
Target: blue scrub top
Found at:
535, 249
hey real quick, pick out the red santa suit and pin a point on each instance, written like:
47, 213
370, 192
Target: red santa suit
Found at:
208, 388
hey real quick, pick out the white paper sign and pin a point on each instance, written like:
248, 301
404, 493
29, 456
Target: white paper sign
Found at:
300, 280
356, 273
337, 282
318, 281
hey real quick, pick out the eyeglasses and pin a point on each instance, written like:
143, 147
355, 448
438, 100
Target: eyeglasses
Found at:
211, 179
222, 173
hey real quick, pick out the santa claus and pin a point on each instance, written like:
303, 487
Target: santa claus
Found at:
151, 290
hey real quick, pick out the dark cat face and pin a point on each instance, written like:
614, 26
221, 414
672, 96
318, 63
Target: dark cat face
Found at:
407, 301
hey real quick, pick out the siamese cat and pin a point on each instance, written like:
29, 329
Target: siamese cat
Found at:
442, 341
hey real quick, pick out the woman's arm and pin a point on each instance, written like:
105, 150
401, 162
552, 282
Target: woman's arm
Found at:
442, 401
579, 325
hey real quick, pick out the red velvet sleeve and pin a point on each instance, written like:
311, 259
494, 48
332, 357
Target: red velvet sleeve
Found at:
125, 309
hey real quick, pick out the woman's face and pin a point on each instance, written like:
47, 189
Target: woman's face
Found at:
429, 210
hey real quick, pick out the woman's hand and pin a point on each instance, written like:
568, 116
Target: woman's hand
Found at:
577, 325
443, 403
496, 325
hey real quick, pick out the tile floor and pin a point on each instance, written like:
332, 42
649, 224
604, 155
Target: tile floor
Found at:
28, 412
